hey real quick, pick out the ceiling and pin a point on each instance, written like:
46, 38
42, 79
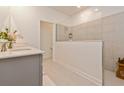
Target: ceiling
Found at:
69, 10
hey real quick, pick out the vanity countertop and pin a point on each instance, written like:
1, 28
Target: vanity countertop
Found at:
20, 51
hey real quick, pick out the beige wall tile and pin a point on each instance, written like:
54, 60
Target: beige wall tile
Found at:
110, 29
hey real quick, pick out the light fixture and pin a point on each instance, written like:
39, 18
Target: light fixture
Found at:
96, 9
78, 6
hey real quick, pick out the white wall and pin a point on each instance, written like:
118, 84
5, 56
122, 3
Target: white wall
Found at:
27, 20
4, 12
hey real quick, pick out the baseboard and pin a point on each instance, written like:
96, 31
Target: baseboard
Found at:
82, 74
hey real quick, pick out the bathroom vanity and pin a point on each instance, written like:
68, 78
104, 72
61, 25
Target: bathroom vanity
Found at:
21, 67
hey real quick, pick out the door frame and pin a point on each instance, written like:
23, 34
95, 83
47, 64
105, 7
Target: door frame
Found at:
53, 36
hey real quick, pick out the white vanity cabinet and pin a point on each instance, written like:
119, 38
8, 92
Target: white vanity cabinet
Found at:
21, 68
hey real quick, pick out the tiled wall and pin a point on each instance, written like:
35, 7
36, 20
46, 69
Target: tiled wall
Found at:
109, 29
87, 31
113, 37
62, 32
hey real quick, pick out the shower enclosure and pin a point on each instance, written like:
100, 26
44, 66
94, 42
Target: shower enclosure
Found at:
79, 49
108, 30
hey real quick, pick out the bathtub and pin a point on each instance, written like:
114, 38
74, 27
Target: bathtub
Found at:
82, 57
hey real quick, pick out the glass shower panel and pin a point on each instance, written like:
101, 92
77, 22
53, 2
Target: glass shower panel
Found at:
91, 30
63, 33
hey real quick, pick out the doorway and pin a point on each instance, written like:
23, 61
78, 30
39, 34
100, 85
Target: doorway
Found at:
46, 38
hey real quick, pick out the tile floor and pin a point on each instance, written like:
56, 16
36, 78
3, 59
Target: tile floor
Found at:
111, 80
47, 81
55, 74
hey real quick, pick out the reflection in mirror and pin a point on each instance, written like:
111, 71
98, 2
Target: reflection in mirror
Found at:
4, 17
8, 29
63, 33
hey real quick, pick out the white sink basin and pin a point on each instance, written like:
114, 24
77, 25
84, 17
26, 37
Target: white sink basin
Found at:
23, 49
20, 49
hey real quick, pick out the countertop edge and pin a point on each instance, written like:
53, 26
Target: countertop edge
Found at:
31, 52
